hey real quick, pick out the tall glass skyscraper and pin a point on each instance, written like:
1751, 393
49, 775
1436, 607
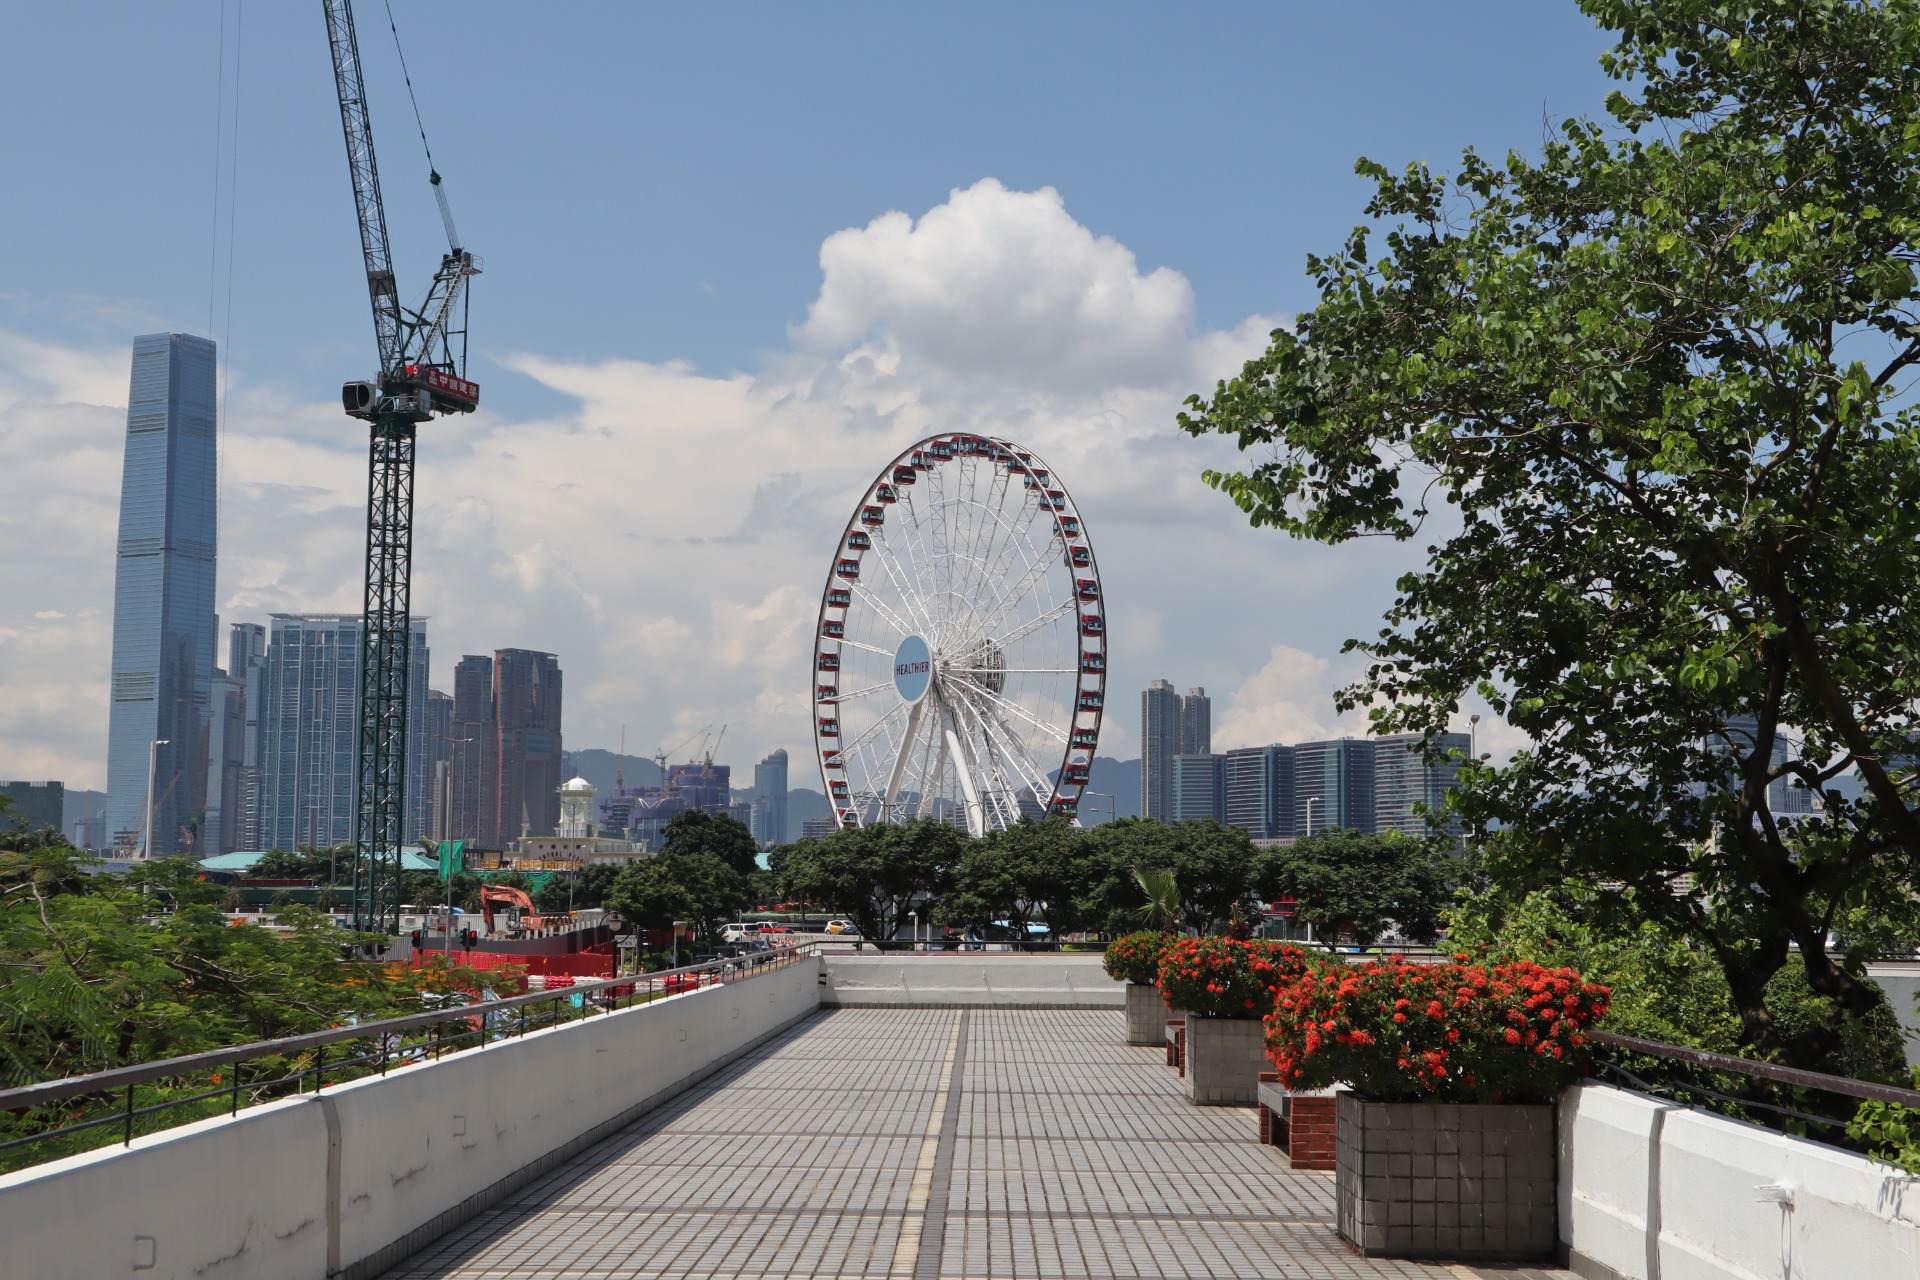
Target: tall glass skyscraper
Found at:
770, 799
163, 621
310, 726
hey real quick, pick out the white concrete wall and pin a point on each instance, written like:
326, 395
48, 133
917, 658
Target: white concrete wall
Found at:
1725, 1200
948, 979
348, 1182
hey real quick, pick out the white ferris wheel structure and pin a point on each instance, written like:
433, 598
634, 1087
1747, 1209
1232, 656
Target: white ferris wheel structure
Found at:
960, 656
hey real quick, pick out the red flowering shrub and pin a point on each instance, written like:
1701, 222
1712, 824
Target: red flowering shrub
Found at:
1135, 957
1224, 978
1462, 1032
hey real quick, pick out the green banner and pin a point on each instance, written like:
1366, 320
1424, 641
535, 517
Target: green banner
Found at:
453, 858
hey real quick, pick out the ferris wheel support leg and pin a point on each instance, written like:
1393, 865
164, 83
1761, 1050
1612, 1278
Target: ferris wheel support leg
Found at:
900, 760
976, 816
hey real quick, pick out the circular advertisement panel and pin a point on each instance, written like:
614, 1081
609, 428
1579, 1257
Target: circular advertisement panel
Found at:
912, 669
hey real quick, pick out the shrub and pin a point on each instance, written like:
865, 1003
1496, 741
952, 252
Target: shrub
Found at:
1462, 1032
1227, 978
1135, 957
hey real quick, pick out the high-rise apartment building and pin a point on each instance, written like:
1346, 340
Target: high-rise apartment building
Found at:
1333, 785
1196, 723
1199, 787
310, 731
475, 759
770, 799
1260, 791
1170, 725
526, 711
226, 765
246, 664
1403, 778
163, 591
1159, 744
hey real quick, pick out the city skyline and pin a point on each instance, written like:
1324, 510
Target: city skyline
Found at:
865, 316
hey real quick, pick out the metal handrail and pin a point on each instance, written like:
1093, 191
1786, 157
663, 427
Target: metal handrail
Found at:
101, 1082
1762, 1070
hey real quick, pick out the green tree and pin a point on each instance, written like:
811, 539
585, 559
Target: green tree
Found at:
876, 875
103, 970
1349, 880
1211, 864
719, 834
1029, 873
1655, 379
654, 892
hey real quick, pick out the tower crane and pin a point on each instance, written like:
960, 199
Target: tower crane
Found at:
420, 374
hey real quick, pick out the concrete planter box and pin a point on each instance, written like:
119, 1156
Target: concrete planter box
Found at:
1225, 1057
1445, 1180
1146, 1014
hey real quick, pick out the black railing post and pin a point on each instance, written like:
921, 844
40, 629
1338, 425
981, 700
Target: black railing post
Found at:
234, 1110
319, 1067
127, 1139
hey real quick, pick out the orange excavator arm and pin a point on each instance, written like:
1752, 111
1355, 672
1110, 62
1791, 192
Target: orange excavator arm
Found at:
507, 896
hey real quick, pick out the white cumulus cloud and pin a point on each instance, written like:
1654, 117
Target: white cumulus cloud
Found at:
668, 531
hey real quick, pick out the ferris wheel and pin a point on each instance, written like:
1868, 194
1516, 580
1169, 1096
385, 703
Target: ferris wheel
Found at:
961, 654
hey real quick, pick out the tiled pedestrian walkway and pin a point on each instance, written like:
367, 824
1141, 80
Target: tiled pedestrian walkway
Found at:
921, 1144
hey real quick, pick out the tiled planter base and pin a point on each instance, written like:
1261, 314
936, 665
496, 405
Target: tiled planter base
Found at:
1225, 1057
1146, 1013
1445, 1180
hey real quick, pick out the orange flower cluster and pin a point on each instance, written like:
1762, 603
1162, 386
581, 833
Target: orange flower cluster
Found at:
1224, 978
1397, 1030
1135, 957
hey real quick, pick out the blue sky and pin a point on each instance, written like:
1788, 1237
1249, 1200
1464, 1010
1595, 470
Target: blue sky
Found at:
651, 187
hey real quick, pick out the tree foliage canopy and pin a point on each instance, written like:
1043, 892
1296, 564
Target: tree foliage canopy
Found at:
1649, 394
1366, 884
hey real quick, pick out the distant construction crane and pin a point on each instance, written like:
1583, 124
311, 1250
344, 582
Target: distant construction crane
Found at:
419, 376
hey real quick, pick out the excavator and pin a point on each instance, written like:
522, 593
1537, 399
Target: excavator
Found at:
521, 916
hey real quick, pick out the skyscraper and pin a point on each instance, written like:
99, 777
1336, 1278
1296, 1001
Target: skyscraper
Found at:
1199, 787
163, 621
1333, 785
526, 711
246, 663
1402, 778
1196, 723
1260, 791
770, 799
226, 761
1159, 744
310, 731
475, 759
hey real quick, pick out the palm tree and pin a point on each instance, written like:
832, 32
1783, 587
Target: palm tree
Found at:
1162, 909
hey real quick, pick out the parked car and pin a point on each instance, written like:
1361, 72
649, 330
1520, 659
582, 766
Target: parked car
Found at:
842, 927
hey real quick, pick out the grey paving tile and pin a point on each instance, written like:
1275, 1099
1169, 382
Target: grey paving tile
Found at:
1071, 1156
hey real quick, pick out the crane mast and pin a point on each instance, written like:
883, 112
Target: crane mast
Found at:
419, 375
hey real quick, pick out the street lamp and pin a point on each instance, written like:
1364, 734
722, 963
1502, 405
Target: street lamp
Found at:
914, 945
1112, 815
1473, 737
1310, 800
680, 929
153, 756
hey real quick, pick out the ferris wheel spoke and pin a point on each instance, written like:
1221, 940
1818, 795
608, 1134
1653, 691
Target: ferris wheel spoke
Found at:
857, 743
1065, 608
861, 644
870, 690
1014, 671
895, 574
1008, 704
996, 569
1035, 574
1029, 774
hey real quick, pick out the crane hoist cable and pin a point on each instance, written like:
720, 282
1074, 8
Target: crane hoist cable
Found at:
433, 170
